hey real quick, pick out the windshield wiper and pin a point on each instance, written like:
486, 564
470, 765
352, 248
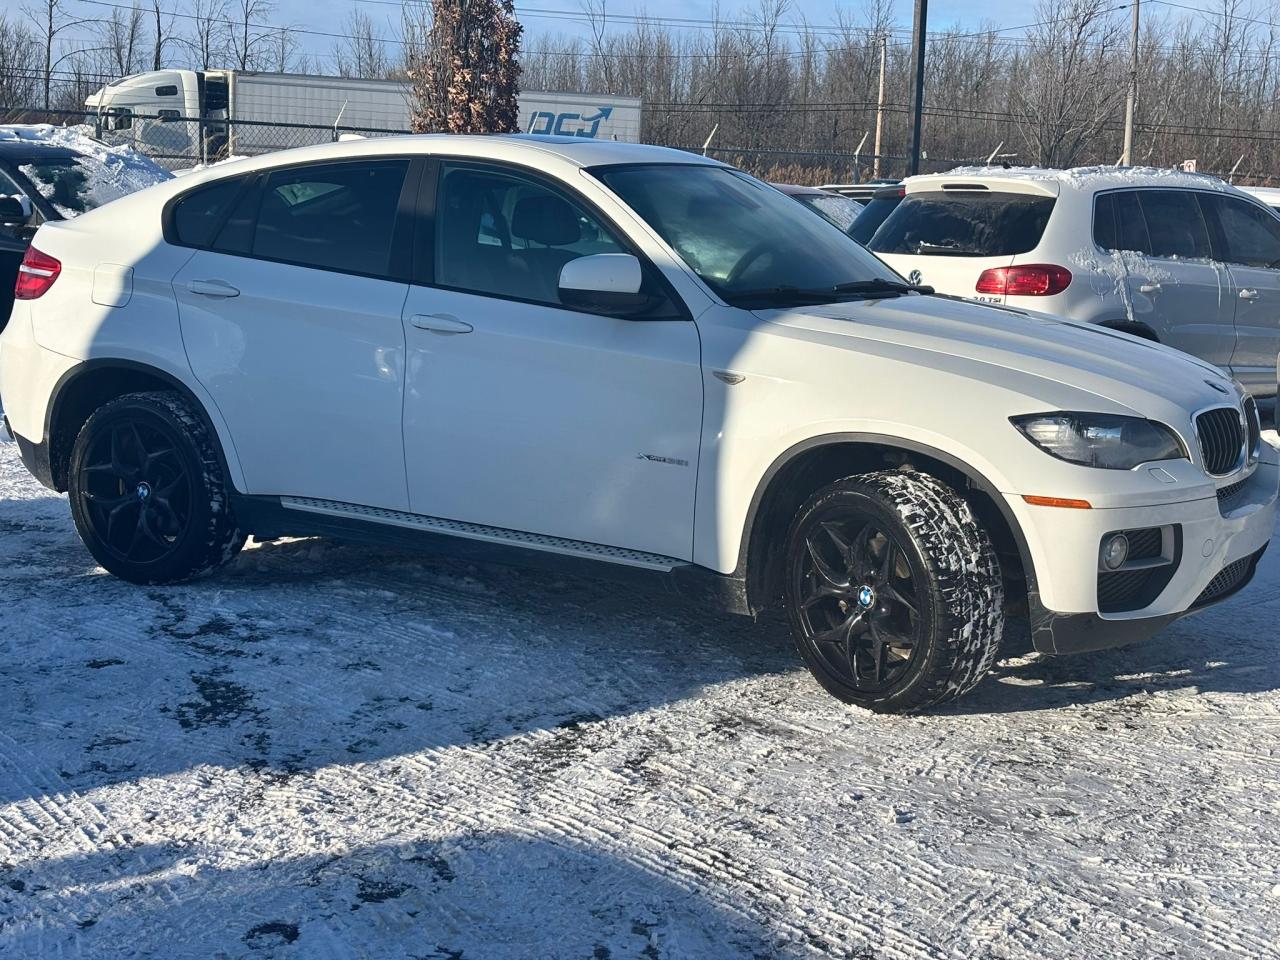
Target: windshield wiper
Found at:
785, 296
873, 287
788, 296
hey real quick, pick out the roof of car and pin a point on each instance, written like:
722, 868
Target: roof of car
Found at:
528, 149
18, 151
1053, 181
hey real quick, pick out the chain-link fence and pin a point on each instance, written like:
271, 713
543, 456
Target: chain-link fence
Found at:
179, 142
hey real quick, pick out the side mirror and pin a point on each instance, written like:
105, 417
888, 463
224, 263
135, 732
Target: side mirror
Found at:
605, 283
15, 210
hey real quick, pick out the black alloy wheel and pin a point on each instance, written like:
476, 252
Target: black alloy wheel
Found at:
137, 490
148, 493
859, 598
893, 591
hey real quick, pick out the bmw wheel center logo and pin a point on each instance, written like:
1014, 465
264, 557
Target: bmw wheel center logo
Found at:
866, 597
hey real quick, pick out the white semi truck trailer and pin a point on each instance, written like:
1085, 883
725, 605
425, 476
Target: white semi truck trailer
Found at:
202, 114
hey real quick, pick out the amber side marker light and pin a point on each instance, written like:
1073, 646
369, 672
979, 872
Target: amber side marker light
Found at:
1058, 502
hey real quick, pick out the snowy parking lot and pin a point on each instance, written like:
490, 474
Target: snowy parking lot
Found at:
339, 751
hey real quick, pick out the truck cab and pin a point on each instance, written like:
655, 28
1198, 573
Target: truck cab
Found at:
165, 113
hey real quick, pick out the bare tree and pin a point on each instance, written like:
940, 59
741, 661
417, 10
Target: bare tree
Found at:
122, 41
162, 27
1069, 88
19, 49
205, 40
52, 20
362, 52
253, 43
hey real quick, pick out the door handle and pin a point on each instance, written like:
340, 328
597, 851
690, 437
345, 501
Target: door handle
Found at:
1248, 294
442, 323
212, 288
1149, 288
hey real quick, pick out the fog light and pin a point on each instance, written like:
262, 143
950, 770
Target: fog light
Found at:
1115, 551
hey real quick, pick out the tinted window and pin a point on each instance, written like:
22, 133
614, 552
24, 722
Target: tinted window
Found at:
1131, 225
1104, 221
169, 90
739, 235
337, 216
197, 215
1252, 235
873, 214
502, 234
1174, 224
964, 224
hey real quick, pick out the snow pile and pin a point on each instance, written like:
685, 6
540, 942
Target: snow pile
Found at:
101, 174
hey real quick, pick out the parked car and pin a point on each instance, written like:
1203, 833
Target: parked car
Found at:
862, 192
592, 351
1183, 259
51, 173
833, 208
882, 203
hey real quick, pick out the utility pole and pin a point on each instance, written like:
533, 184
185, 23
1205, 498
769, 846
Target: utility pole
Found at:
1131, 101
884, 55
917, 84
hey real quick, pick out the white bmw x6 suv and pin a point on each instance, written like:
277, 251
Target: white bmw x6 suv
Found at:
558, 349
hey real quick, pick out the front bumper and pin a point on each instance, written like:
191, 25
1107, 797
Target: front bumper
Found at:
1222, 543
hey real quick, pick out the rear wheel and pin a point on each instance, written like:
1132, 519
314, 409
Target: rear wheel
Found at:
147, 491
893, 591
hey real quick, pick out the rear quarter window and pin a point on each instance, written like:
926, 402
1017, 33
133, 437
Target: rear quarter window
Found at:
968, 224
198, 214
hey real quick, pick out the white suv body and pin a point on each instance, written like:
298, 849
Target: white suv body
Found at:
580, 350
1180, 258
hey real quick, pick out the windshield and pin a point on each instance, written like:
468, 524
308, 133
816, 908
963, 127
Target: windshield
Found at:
840, 211
743, 237
964, 224
74, 186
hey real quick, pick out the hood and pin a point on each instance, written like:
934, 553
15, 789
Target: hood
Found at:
1042, 356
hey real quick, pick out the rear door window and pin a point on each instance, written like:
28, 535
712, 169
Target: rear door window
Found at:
1175, 225
1118, 222
334, 216
964, 224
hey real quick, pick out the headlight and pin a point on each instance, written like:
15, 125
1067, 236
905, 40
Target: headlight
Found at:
1101, 439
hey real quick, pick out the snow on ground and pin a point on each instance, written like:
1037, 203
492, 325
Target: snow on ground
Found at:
109, 172
337, 751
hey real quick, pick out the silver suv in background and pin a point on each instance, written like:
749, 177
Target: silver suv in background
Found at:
1183, 259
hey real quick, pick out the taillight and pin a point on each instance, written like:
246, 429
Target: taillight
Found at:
1033, 280
36, 275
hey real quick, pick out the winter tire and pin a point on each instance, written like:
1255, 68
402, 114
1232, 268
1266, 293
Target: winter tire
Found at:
893, 591
147, 491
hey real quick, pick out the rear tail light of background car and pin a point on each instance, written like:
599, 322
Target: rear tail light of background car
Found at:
36, 275
1032, 280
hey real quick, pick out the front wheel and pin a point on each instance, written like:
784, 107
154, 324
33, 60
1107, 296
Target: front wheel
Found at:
147, 491
893, 591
